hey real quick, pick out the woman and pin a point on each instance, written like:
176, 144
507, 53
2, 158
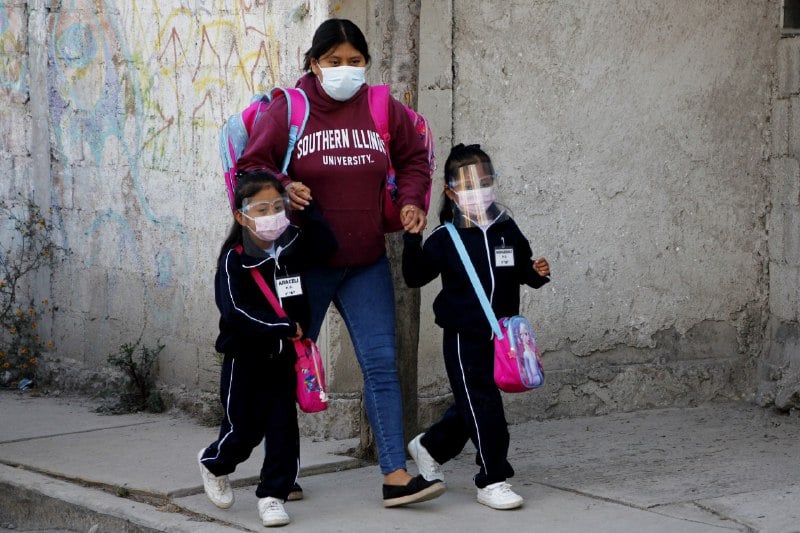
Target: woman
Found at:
341, 162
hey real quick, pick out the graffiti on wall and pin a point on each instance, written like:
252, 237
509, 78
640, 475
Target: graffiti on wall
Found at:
13, 74
137, 93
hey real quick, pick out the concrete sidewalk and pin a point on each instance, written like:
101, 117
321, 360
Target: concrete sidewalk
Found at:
716, 468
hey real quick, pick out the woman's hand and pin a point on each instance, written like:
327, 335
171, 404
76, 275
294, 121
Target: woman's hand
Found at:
542, 267
413, 218
299, 195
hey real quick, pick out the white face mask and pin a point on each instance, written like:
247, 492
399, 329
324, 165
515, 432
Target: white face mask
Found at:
341, 83
269, 227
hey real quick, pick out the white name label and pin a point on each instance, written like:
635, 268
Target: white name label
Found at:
289, 287
504, 257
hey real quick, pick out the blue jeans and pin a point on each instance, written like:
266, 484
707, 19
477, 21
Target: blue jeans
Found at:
364, 296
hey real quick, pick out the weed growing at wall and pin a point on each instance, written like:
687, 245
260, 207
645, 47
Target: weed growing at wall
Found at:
26, 246
139, 365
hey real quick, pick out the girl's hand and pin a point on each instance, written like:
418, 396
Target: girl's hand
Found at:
542, 267
413, 218
299, 333
299, 195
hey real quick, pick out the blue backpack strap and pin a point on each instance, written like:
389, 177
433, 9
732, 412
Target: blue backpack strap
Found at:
473, 277
297, 111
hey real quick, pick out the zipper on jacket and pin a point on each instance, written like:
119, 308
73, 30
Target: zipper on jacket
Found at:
489, 259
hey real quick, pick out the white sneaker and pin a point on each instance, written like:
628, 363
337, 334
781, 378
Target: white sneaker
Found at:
427, 465
499, 496
217, 488
272, 512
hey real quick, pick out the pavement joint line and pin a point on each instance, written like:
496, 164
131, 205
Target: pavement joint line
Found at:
694, 501
165, 498
710, 511
339, 466
749, 528
593, 496
173, 507
651, 508
149, 498
25, 439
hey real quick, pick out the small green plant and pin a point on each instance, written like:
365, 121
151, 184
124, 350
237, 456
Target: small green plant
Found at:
139, 365
26, 246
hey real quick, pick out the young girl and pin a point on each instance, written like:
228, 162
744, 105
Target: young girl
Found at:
503, 260
257, 382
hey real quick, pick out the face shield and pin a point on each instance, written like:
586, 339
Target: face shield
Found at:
265, 207
269, 223
476, 196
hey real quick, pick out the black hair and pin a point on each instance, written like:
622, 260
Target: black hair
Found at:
249, 183
331, 34
460, 155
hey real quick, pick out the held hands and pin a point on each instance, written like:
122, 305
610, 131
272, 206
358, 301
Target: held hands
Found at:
542, 267
299, 333
413, 218
299, 195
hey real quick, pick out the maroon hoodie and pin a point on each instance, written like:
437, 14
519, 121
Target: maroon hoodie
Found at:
342, 159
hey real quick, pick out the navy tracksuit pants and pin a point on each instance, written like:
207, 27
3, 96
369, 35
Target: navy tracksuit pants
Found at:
477, 413
258, 399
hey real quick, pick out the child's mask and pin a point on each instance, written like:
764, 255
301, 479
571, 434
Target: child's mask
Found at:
269, 227
477, 202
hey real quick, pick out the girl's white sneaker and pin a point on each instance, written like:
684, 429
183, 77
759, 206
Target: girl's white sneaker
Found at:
272, 512
217, 488
427, 465
499, 496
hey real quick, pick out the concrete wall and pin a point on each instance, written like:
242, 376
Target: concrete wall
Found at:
632, 146
779, 373
632, 141
111, 112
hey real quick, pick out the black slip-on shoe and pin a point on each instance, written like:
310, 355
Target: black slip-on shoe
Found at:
417, 490
295, 494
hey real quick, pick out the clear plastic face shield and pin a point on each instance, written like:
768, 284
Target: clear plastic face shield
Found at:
265, 207
473, 186
269, 220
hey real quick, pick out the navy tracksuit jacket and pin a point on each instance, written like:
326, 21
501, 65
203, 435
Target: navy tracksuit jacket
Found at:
467, 344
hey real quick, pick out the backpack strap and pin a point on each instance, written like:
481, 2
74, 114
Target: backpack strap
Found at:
262, 284
298, 109
473, 277
299, 347
378, 97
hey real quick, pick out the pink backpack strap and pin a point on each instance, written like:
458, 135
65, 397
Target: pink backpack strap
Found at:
299, 347
378, 96
298, 109
262, 284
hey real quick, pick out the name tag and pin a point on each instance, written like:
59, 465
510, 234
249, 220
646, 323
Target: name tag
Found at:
504, 256
287, 287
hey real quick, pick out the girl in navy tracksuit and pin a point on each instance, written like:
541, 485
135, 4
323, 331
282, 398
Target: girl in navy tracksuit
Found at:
503, 260
257, 383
